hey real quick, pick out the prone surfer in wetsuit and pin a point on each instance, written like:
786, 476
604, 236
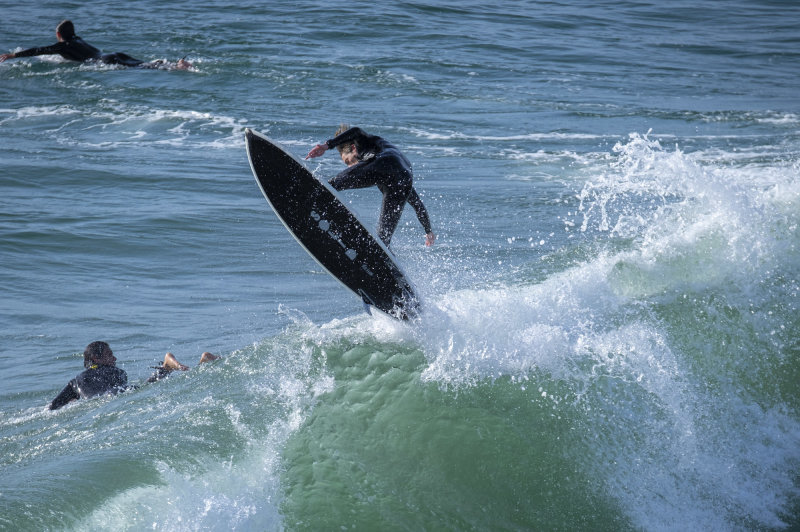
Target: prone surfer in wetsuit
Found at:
103, 377
373, 161
73, 48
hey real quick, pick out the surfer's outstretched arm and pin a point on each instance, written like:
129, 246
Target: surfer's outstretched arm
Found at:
317, 150
347, 139
32, 52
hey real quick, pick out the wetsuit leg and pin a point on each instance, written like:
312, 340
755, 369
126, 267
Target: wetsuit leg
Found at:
120, 58
396, 184
392, 177
360, 175
394, 199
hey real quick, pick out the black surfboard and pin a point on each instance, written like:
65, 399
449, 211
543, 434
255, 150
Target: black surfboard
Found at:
328, 230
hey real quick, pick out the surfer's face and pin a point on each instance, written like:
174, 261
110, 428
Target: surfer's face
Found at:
350, 157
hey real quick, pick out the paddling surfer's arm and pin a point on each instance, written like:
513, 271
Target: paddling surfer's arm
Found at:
69, 393
53, 49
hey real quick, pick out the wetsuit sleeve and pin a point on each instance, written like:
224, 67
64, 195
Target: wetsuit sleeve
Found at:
41, 50
68, 394
354, 134
422, 213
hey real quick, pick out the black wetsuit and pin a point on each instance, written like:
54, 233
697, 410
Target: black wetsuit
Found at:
97, 380
381, 164
76, 49
160, 373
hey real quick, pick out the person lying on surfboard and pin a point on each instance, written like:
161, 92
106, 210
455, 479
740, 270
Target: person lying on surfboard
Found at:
102, 376
373, 161
73, 48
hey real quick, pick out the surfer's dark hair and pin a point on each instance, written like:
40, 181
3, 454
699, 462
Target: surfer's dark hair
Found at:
348, 146
66, 29
92, 351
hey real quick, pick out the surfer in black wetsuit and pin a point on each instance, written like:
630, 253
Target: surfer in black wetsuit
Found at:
73, 48
103, 377
373, 161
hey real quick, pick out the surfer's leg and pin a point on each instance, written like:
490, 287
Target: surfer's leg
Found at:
163, 64
394, 200
120, 58
360, 175
171, 364
395, 181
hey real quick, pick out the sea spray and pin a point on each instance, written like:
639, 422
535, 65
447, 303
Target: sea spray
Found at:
651, 342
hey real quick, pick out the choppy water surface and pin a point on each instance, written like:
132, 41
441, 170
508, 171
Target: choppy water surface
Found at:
610, 330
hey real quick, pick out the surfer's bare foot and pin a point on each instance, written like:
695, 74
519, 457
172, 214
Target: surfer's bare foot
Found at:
170, 362
207, 357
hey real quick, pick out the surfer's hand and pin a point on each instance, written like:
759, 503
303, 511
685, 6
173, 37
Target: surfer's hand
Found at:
5, 56
317, 150
429, 238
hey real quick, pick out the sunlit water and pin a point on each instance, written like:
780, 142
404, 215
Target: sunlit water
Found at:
609, 340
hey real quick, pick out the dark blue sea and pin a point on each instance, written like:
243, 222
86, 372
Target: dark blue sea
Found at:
610, 338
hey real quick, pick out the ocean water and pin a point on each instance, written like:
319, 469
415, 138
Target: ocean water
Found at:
610, 333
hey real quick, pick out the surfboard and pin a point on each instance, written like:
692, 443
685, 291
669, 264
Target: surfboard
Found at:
328, 230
